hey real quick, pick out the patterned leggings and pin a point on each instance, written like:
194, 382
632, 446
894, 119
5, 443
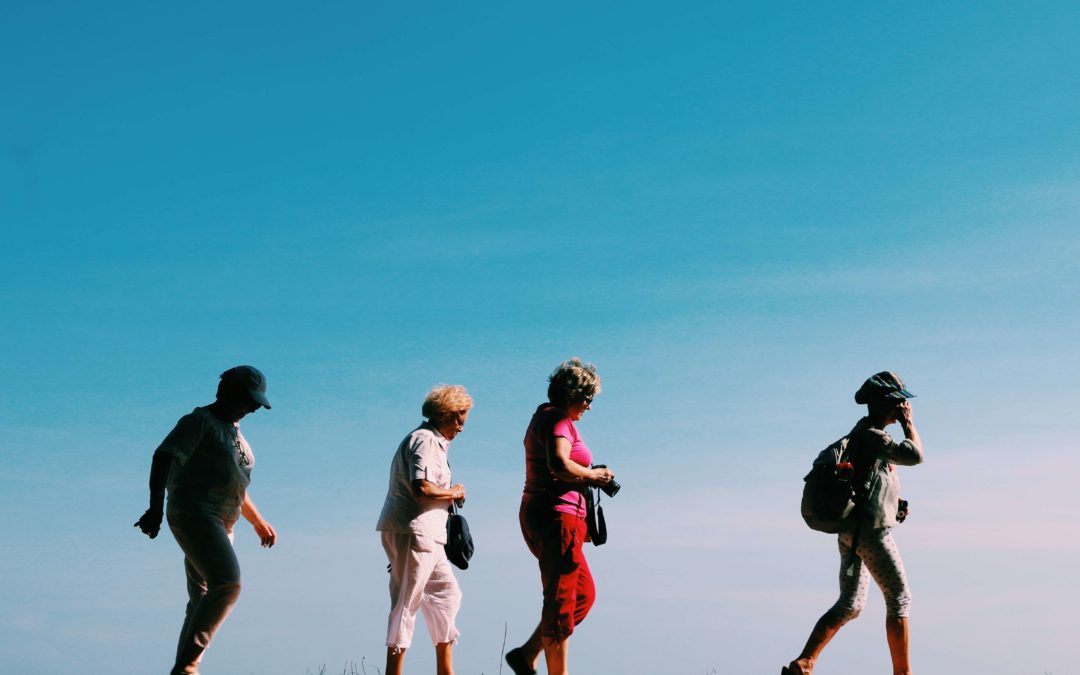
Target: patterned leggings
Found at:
877, 557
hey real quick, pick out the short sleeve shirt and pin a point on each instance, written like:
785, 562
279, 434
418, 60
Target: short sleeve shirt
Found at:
211, 466
422, 455
548, 423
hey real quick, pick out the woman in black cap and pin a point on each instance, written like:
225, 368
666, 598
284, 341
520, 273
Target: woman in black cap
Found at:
866, 547
206, 465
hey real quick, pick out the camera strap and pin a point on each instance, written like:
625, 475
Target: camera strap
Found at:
594, 517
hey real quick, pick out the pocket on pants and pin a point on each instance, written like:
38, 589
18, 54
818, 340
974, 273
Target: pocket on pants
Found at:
568, 543
421, 543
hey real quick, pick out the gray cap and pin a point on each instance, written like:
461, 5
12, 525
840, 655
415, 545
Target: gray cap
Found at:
251, 380
882, 388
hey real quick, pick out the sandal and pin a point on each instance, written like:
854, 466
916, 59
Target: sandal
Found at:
515, 658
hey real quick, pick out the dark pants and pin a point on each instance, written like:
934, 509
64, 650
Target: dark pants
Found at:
213, 583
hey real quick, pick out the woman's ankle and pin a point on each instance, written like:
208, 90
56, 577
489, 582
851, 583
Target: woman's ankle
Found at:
804, 663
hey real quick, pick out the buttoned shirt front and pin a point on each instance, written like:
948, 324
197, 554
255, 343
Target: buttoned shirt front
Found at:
422, 455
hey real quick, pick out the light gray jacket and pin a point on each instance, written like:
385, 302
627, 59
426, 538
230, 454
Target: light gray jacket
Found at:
866, 445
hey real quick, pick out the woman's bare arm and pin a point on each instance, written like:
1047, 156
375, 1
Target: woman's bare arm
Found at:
265, 531
565, 469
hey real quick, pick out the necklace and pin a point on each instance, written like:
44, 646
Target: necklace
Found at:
243, 458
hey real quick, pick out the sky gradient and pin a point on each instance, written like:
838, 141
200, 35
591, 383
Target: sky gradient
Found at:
738, 211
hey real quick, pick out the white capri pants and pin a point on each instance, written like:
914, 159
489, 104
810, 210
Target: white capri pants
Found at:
877, 557
420, 579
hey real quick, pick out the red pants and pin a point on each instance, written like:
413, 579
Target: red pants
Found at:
556, 540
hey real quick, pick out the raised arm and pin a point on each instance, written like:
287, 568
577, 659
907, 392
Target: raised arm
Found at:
906, 417
908, 452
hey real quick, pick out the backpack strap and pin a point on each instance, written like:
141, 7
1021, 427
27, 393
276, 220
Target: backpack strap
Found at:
861, 495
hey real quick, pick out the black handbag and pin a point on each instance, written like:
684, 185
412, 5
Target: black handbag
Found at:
594, 518
459, 543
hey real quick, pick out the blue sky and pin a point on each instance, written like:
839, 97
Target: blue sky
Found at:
738, 211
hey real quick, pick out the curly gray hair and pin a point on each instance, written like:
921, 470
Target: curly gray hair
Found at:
445, 399
572, 382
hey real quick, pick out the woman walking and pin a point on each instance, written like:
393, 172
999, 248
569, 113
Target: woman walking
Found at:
205, 464
552, 514
867, 548
413, 526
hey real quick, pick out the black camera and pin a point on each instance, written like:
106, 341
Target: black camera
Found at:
610, 488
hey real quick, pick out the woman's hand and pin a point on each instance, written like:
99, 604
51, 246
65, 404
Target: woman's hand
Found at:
457, 493
600, 476
903, 510
265, 531
150, 522
906, 417
904, 414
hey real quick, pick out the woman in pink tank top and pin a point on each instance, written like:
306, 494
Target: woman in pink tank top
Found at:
552, 514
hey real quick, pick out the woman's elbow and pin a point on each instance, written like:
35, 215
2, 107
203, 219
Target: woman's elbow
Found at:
913, 454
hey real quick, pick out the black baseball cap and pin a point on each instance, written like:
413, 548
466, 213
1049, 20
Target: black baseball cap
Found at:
251, 380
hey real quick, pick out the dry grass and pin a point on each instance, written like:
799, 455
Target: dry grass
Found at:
348, 669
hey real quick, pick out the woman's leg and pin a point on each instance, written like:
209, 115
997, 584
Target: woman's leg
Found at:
896, 629
556, 540
395, 658
213, 581
824, 631
522, 660
440, 604
569, 594
444, 658
585, 589
568, 587
556, 652
854, 584
412, 559
535, 520
882, 560
528, 653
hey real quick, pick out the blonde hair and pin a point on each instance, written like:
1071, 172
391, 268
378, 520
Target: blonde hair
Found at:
572, 381
445, 399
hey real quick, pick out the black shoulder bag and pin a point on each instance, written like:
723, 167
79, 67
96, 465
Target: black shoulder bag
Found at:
459, 542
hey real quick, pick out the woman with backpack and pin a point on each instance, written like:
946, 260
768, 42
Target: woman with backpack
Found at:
866, 546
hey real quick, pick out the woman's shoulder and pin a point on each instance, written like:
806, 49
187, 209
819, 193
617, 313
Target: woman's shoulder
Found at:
548, 421
870, 440
552, 416
423, 435
196, 420
546, 414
